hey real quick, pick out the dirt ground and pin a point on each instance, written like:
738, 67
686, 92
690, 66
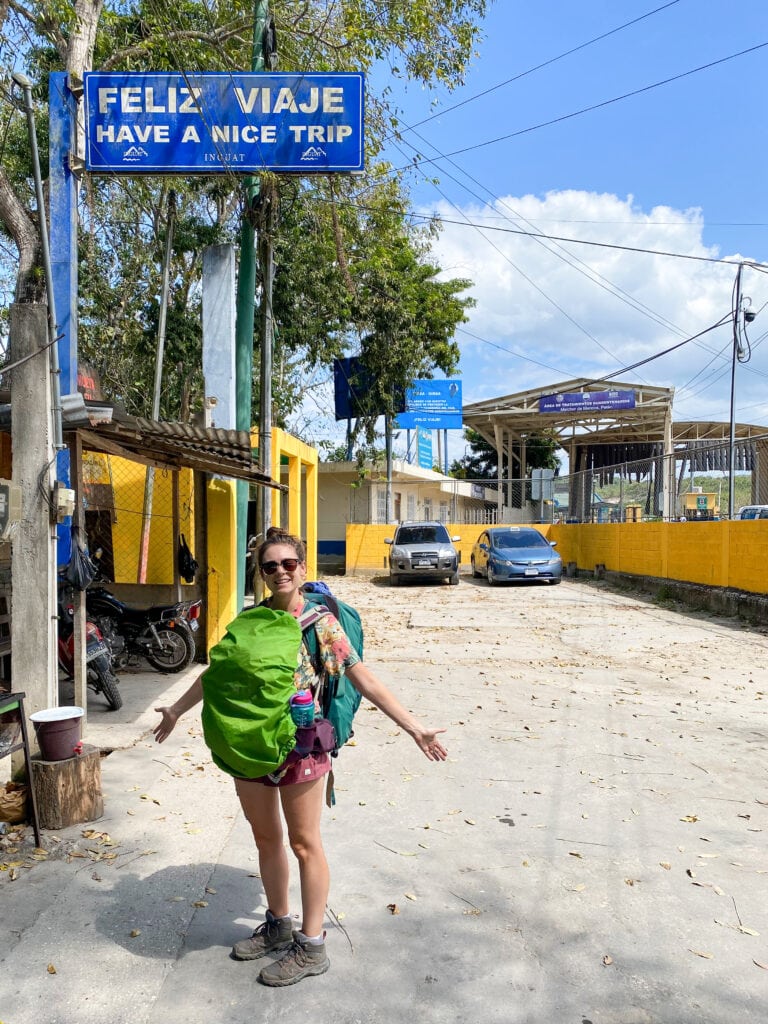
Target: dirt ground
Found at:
592, 852
610, 754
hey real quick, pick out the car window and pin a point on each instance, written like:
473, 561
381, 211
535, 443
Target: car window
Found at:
422, 535
519, 539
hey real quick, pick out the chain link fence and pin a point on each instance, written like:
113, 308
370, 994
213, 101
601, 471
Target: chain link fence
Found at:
692, 484
129, 510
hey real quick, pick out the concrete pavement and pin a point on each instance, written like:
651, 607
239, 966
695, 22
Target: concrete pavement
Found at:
593, 851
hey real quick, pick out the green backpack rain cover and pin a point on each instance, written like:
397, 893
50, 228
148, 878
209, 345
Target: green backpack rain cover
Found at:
246, 719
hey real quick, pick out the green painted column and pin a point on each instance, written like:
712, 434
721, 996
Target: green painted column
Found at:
246, 288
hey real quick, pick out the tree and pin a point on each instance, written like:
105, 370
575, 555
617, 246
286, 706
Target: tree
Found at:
482, 462
123, 221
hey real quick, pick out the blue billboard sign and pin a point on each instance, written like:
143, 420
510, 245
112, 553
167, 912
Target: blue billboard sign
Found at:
216, 122
424, 447
588, 401
354, 391
435, 404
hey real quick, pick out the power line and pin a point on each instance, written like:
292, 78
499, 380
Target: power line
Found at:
530, 71
595, 106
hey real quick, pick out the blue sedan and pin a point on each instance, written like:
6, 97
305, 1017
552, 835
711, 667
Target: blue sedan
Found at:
515, 553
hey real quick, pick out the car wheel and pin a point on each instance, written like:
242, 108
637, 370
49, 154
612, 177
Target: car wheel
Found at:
475, 573
555, 582
489, 575
454, 580
394, 581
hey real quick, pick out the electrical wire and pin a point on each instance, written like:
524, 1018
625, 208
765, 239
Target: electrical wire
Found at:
523, 74
597, 106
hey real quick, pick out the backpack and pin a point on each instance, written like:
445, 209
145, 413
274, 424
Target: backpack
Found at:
246, 688
340, 698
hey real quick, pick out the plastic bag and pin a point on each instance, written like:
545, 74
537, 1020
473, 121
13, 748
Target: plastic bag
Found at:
187, 564
81, 570
13, 803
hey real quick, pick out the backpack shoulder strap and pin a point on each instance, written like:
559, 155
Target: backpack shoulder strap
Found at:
311, 615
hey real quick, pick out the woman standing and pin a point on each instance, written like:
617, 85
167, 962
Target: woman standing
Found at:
298, 786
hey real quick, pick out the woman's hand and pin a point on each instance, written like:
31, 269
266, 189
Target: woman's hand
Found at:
426, 740
172, 714
166, 726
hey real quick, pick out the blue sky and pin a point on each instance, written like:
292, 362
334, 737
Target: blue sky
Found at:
679, 169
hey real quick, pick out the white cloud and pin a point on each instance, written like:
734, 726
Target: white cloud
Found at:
589, 311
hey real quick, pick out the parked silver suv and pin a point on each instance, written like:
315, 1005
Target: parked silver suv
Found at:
422, 551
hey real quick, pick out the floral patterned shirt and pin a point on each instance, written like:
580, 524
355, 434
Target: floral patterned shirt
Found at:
336, 654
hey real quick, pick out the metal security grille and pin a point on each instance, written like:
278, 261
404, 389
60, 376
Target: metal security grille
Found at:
693, 484
128, 513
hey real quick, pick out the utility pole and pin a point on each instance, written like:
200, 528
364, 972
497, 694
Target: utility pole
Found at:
149, 481
742, 315
246, 290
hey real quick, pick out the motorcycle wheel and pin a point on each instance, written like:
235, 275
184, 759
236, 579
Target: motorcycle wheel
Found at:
106, 683
177, 651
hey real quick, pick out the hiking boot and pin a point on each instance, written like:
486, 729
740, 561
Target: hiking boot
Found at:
302, 960
275, 934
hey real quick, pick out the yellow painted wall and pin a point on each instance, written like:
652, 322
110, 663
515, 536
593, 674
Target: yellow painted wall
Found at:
222, 553
367, 551
300, 475
128, 483
720, 554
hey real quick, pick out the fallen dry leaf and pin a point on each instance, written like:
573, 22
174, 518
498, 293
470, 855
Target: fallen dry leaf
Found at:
200, 903
393, 908
575, 853
607, 960
698, 952
757, 962
135, 932
51, 969
690, 817
410, 896
665, 864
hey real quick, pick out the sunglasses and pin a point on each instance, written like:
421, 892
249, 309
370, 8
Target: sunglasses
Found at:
289, 564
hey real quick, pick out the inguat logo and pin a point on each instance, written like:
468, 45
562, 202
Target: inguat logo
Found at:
134, 154
313, 153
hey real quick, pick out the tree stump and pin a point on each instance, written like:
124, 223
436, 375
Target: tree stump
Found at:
69, 792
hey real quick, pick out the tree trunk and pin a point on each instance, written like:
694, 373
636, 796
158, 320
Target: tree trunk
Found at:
30, 284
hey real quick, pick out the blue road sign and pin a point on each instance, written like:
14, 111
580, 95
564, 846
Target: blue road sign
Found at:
588, 401
215, 122
435, 404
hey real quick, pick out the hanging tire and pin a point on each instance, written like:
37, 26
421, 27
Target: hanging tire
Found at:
176, 650
106, 683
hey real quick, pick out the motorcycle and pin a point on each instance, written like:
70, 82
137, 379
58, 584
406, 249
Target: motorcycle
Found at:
98, 661
163, 634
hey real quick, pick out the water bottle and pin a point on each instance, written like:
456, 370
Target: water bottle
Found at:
302, 708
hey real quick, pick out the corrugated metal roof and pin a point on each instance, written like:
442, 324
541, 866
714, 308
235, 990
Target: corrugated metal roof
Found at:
178, 445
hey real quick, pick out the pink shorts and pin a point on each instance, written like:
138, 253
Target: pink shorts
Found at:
306, 769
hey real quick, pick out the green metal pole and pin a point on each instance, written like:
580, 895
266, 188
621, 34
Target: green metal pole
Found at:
246, 288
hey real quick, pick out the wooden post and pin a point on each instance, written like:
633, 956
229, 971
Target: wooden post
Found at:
69, 792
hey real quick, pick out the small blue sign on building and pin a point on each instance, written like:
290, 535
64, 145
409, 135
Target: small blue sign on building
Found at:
588, 401
215, 122
435, 404
424, 447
